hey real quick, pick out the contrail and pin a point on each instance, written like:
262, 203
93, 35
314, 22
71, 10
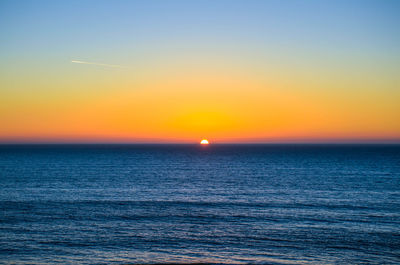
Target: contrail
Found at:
99, 64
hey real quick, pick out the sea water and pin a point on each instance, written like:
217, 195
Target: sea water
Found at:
225, 204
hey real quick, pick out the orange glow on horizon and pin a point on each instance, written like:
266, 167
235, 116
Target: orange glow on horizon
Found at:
181, 104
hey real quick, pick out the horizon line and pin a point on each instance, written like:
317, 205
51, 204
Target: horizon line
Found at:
396, 142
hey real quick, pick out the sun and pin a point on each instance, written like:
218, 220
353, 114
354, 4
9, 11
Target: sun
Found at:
204, 141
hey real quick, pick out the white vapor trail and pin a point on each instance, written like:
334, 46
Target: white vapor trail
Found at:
99, 64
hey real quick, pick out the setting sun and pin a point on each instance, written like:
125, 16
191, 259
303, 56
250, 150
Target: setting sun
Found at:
204, 141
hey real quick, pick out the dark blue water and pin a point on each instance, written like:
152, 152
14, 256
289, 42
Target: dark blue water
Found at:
266, 204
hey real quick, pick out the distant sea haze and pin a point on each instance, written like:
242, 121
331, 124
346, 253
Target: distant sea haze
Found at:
224, 204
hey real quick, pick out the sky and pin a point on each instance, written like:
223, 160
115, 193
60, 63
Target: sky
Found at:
180, 71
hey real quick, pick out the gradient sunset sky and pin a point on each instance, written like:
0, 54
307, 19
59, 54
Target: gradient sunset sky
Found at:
180, 71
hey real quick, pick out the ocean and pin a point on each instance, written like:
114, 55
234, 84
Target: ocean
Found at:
219, 204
